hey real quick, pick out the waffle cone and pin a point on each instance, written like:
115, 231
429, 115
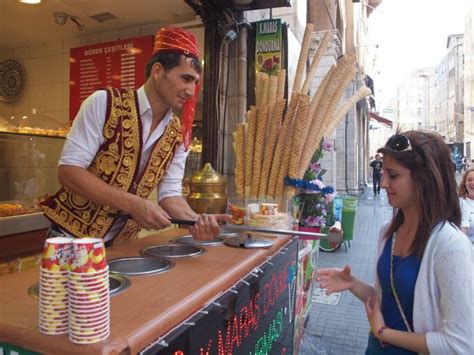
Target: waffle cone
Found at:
272, 90
314, 64
280, 145
258, 148
300, 69
264, 94
281, 84
274, 124
318, 117
258, 88
249, 145
286, 153
299, 135
346, 106
239, 149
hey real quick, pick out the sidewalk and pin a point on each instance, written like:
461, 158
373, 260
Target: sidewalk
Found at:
343, 328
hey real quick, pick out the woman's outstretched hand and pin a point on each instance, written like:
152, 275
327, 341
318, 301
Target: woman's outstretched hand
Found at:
335, 280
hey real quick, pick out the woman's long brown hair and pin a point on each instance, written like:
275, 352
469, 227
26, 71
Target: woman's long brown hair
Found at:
435, 185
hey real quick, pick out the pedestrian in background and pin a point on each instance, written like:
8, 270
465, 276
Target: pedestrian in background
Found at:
422, 300
376, 165
466, 200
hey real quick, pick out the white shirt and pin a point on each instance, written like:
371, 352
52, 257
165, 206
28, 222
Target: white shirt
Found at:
467, 216
85, 138
443, 306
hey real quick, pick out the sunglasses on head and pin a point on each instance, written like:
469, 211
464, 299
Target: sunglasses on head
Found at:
399, 143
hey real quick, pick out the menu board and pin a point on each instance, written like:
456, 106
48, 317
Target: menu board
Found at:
119, 64
255, 317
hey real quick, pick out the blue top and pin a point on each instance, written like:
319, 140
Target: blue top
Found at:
405, 272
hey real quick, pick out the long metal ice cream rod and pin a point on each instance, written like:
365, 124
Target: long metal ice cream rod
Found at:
241, 228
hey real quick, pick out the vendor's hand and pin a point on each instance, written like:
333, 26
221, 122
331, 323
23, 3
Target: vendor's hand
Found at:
149, 215
374, 315
335, 280
207, 226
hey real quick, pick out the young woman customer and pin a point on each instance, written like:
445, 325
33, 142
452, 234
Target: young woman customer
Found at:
423, 299
466, 200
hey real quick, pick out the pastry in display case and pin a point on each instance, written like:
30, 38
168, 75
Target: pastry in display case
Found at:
30, 147
34, 124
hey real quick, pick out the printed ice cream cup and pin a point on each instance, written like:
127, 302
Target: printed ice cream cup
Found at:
237, 213
89, 320
56, 254
91, 335
78, 289
88, 309
90, 328
89, 297
269, 209
88, 340
53, 331
81, 315
88, 255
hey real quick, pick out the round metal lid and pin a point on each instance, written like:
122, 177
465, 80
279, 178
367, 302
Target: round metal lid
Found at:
117, 284
139, 265
189, 240
172, 251
228, 234
248, 241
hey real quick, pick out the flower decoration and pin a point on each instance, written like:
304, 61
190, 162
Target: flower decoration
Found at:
313, 202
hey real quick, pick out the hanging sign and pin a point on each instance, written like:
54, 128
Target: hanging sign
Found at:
119, 64
268, 46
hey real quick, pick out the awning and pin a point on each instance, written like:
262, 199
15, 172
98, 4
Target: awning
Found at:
382, 120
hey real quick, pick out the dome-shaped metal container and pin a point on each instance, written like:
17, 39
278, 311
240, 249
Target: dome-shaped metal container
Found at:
207, 191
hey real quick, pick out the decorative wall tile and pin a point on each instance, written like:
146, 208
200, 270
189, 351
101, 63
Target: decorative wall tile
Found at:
53, 97
37, 98
54, 67
21, 53
54, 47
38, 51
35, 71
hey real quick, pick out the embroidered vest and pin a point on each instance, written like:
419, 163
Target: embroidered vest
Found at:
117, 163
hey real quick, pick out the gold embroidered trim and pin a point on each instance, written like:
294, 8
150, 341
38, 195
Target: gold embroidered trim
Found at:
116, 163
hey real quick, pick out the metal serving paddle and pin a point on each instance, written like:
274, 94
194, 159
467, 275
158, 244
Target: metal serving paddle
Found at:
244, 229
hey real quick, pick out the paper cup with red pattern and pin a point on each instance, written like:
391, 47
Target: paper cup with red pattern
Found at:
57, 254
89, 339
88, 256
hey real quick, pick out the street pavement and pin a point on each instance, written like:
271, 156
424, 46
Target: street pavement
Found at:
343, 328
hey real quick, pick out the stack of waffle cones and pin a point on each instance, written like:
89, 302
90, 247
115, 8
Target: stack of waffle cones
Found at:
272, 143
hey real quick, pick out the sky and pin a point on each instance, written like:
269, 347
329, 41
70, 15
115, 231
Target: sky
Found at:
410, 34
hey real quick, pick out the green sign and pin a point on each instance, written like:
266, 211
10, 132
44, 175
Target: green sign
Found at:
268, 47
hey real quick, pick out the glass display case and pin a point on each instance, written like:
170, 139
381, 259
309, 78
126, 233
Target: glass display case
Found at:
30, 147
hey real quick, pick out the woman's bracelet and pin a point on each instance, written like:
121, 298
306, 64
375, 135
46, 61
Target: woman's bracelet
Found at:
379, 334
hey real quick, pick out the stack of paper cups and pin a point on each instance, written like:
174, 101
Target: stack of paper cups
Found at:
53, 292
89, 302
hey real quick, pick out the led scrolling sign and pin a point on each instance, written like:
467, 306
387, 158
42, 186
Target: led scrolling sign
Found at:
254, 317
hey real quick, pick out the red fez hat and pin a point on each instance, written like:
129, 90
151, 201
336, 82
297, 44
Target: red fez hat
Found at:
176, 40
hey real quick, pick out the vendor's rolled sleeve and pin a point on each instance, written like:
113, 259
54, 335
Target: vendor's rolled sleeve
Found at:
85, 136
171, 184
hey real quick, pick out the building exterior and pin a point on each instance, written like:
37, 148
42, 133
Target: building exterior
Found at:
433, 98
414, 100
469, 84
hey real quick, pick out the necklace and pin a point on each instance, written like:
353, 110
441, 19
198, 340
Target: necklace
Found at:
392, 284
